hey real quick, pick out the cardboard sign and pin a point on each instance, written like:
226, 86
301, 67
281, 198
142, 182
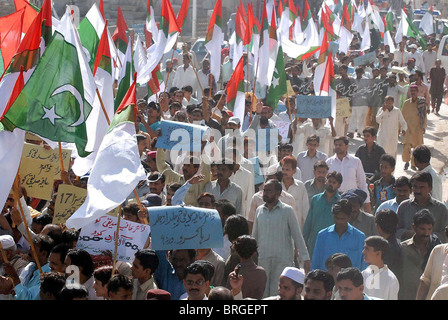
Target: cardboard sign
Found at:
343, 108
51, 156
364, 59
180, 227
180, 136
68, 200
313, 106
100, 236
283, 129
37, 177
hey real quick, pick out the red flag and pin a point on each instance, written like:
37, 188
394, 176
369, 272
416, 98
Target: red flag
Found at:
120, 31
103, 51
235, 82
182, 13
130, 98
20, 83
10, 35
346, 21
101, 8
30, 12
249, 26
280, 8
240, 25
169, 19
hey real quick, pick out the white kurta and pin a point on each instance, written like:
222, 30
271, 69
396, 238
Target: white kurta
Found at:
243, 178
324, 134
389, 122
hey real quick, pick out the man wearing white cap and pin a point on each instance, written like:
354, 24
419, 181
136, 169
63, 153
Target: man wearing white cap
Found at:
290, 285
413, 53
15, 261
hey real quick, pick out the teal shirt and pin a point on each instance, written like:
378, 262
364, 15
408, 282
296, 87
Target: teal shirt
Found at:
29, 286
319, 217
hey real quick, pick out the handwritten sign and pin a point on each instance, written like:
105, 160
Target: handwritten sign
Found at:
343, 108
181, 136
68, 200
185, 228
283, 129
51, 157
313, 106
364, 59
100, 236
37, 177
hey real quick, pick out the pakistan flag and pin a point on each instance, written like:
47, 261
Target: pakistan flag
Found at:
58, 97
278, 84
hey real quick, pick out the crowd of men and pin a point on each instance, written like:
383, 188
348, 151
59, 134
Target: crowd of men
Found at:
309, 220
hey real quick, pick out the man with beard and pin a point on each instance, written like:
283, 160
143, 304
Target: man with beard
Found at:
290, 285
351, 169
223, 188
320, 214
318, 285
169, 274
421, 186
317, 185
416, 252
277, 231
264, 118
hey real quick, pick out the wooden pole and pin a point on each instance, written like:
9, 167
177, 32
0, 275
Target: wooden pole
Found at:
137, 198
169, 71
30, 240
5, 258
102, 106
114, 264
60, 156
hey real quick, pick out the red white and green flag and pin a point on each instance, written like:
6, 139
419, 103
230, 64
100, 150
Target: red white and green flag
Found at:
117, 168
119, 36
235, 91
166, 39
28, 53
57, 110
182, 14
346, 35
389, 28
30, 12
155, 84
311, 43
151, 29
11, 28
125, 76
214, 39
237, 40
90, 32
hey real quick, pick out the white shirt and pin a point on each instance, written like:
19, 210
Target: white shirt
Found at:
419, 64
401, 57
429, 60
300, 195
185, 77
437, 189
380, 283
389, 122
323, 132
243, 178
353, 175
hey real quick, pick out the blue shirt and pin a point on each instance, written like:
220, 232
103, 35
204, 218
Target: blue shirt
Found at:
29, 286
319, 217
166, 278
328, 242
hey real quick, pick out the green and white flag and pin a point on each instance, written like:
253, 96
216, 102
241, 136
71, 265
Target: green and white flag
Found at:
278, 84
389, 28
117, 168
407, 28
90, 31
427, 22
57, 110
125, 76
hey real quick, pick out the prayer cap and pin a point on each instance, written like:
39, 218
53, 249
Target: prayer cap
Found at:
294, 274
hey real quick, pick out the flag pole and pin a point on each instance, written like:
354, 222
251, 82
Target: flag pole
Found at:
30, 240
114, 264
169, 71
60, 156
5, 258
102, 106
